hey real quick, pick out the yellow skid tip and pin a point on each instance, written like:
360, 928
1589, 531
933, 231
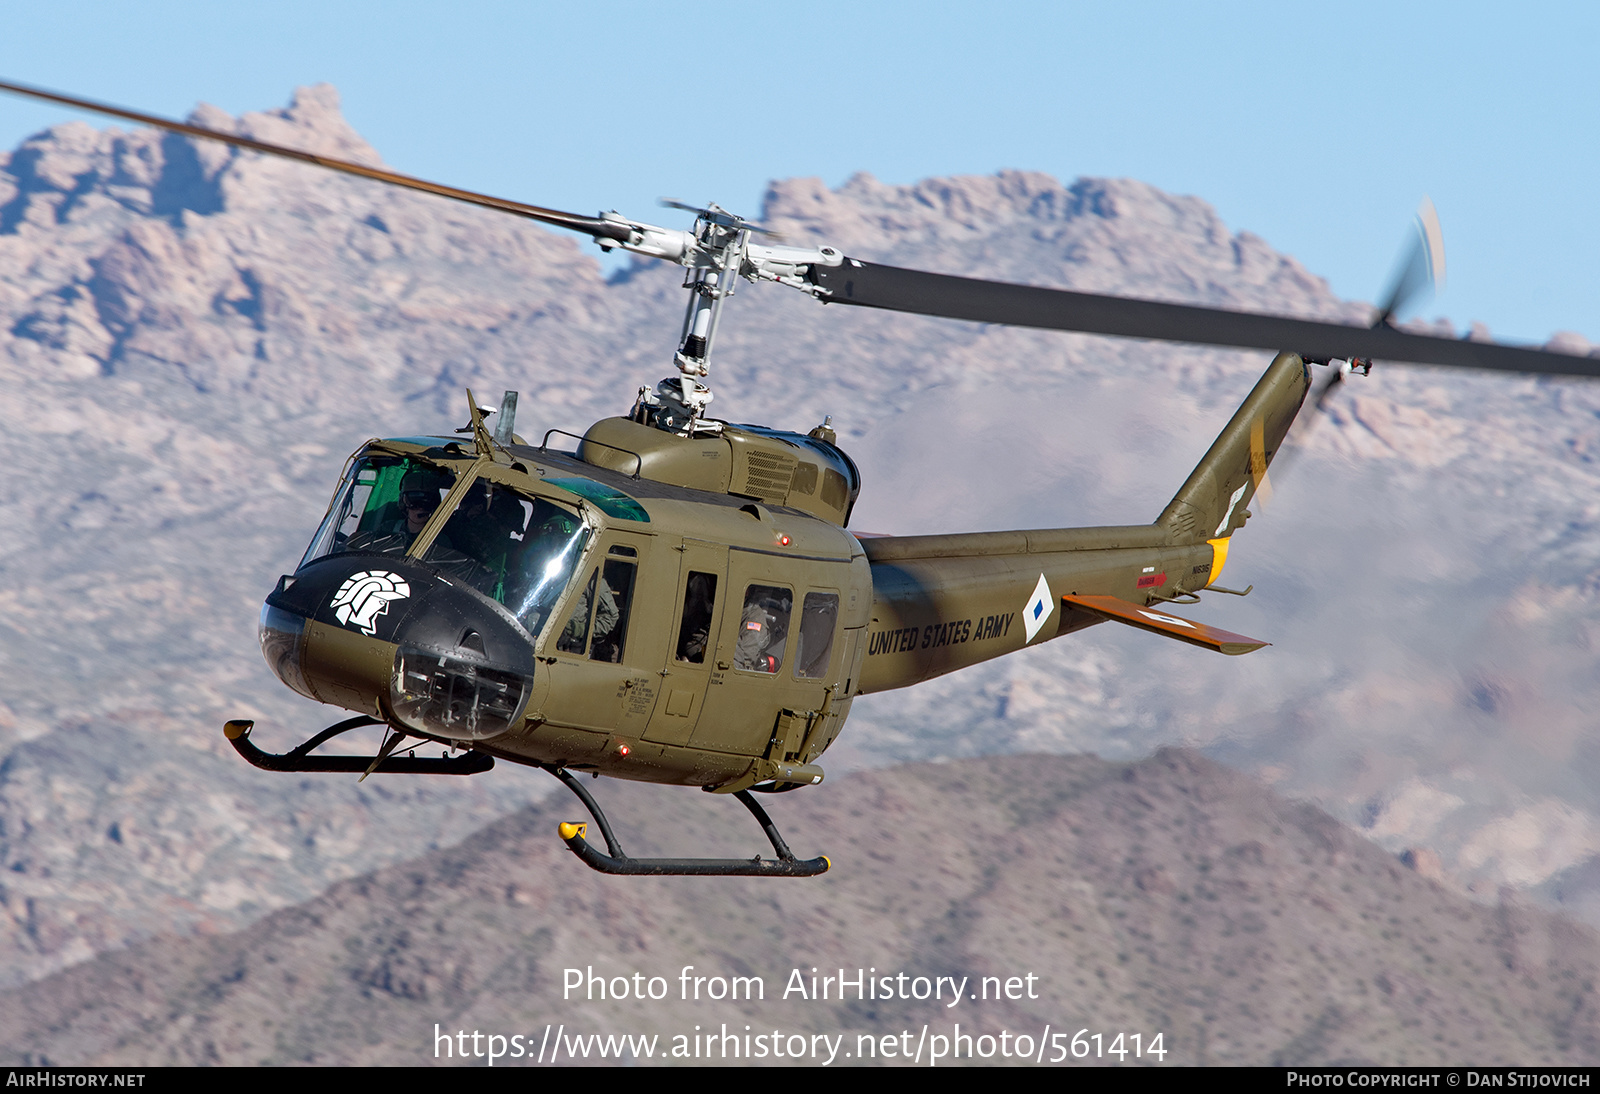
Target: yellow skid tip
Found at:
237, 728
568, 830
827, 864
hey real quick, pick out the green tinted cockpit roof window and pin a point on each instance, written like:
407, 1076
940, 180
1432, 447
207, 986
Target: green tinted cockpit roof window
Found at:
613, 503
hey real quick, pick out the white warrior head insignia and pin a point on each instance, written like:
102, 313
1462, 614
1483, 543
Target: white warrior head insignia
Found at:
365, 596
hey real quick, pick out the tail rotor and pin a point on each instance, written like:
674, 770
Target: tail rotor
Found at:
1418, 273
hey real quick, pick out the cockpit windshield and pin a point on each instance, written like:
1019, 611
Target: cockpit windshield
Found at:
382, 505
519, 550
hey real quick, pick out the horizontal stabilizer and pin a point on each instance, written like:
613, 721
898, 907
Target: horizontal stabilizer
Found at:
1185, 630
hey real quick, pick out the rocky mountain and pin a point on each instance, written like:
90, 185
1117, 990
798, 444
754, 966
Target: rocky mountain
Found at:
1169, 897
192, 340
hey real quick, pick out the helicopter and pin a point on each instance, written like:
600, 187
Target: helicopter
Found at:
677, 599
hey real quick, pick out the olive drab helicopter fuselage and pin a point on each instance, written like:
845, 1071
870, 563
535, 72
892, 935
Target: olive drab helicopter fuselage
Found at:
705, 620
707, 625
676, 599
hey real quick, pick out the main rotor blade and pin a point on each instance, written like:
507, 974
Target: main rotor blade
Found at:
868, 284
594, 226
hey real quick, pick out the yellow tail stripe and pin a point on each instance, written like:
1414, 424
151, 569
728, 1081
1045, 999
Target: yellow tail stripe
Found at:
1219, 558
1258, 462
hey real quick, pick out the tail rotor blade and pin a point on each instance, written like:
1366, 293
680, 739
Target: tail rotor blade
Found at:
1337, 372
1421, 269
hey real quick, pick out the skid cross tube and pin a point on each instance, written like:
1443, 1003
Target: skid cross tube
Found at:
619, 862
299, 759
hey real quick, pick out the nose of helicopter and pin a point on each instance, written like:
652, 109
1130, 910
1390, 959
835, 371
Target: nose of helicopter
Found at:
389, 638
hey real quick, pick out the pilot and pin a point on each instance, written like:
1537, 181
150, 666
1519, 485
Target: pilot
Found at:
473, 546
482, 525
420, 494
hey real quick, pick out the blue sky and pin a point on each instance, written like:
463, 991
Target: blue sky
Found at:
1318, 127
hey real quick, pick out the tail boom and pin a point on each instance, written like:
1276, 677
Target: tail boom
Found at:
942, 603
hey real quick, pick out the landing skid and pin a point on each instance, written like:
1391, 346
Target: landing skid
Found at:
618, 862
470, 763
300, 759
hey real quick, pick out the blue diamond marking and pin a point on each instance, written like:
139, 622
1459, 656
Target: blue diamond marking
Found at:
1038, 609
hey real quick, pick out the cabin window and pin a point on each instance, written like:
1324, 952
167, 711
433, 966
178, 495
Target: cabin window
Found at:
599, 620
575, 635
699, 602
805, 479
607, 645
763, 628
835, 491
817, 619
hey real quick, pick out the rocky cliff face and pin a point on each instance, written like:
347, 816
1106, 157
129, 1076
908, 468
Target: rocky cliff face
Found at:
191, 341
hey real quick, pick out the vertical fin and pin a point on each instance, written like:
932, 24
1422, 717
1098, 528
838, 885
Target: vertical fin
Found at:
1212, 503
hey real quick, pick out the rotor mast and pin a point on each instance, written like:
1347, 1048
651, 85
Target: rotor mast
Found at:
717, 251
